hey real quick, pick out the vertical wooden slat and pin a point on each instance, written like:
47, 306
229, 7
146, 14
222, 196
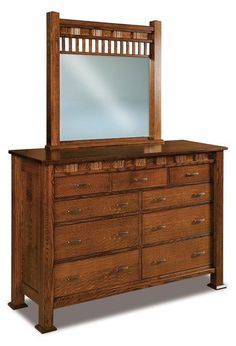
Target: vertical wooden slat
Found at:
70, 44
121, 47
77, 45
145, 48
103, 46
115, 47
63, 44
155, 83
96, 46
217, 277
83, 45
53, 79
109, 46
139, 48
90, 45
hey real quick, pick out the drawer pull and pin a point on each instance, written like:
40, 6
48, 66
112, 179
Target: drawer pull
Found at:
198, 194
158, 261
198, 253
121, 205
72, 278
122, 234
192, 174
159, 199
158, 228
197, 221
122, 269
74, 242
74, 211
136, 180
82, 185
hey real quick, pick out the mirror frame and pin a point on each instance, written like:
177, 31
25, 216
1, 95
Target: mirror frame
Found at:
137, 36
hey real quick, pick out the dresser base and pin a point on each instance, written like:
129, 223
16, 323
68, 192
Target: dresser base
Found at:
43, 330
18, 306
217, 287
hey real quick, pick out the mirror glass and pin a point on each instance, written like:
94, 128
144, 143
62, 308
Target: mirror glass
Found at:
103, 97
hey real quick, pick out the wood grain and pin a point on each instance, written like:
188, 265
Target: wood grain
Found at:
190, 174
169, 258
96, 237
100, 272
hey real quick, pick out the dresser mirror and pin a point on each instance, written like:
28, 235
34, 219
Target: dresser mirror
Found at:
103, 83
103, 97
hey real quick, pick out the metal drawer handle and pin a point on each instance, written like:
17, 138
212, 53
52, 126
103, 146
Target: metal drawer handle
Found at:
121, 205
158, 261
72, 278
74, 211
197, 221
159, 199
74, 242
136, 180
198, 194
158, 228
192, 174
198, 253
122, 234
122, 269
82, 185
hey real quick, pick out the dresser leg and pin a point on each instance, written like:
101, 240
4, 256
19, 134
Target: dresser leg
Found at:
45, 324
217, 281
17, 294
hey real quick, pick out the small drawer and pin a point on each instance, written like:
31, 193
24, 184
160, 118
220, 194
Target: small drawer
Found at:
84, 208
177, 196
97, 236
81, 185
190, 174
183, 255
139, 179
177, 223
96, 273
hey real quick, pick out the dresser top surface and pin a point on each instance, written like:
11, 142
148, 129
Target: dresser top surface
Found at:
117, 152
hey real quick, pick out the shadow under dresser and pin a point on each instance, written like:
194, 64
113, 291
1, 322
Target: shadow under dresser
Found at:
93, 222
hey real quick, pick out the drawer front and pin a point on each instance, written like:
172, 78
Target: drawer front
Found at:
177, 196
183, 255
190, 174
96, 273
97, 236
81, 185
84, 208
177, 223
139, 179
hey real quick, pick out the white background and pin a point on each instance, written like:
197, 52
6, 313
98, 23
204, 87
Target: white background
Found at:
199, 103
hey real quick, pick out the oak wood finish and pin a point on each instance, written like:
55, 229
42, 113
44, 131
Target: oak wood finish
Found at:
178, 223
177, 196
169, 258
96, 237
75, 245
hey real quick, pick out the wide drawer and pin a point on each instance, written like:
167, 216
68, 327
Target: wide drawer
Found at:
183, 255
190, 174
81, 185
177, 223
139, 179
84, 208
97, 236
96, 273
176, 196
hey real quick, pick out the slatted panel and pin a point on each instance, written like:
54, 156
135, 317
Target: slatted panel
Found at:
76, 40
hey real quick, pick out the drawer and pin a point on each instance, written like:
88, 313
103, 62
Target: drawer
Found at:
97, 236
190, 174
171, 258
139, 179
177, 223
83, 208
177, 196
81, 184
96, 273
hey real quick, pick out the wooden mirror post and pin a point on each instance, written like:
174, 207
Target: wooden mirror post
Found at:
143, 42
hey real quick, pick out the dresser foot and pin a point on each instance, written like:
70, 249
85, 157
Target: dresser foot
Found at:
17, 306
44, 330
217, 287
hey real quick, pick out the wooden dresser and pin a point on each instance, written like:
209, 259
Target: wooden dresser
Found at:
95, 222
